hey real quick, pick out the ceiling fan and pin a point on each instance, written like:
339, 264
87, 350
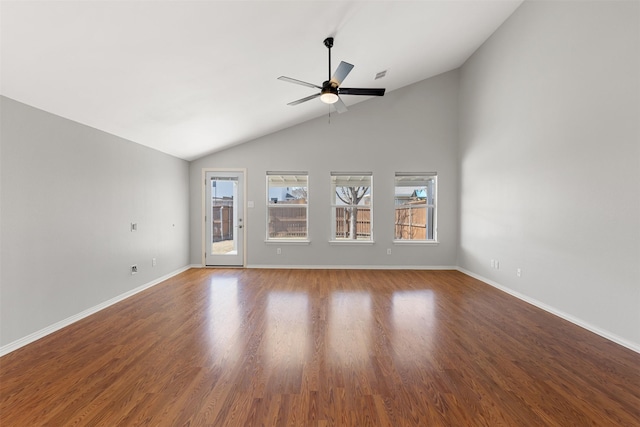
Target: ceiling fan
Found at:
330, 90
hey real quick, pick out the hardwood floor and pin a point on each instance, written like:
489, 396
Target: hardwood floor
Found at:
321, 348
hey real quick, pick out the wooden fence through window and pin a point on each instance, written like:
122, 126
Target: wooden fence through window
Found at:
363, 223
291, 222
411, 222
286, 220
222, 221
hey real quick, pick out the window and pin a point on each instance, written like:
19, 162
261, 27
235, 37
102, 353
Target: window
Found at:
351, 207
287, 205
415, 206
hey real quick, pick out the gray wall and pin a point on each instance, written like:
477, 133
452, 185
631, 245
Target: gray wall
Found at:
69, 194
411, 129
550, 160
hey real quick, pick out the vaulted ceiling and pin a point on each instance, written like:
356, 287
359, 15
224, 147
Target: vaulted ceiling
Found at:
193, 77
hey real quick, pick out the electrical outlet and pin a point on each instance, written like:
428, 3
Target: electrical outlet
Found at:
389, 251
518, 272
153, 262
134, 269
279, 251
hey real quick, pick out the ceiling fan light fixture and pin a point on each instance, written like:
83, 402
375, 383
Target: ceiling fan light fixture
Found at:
329, 98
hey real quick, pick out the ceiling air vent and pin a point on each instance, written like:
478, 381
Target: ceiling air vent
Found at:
380, 75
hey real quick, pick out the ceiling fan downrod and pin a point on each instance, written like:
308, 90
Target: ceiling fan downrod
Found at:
328, 42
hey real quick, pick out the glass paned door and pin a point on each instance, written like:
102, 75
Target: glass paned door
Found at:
224, 224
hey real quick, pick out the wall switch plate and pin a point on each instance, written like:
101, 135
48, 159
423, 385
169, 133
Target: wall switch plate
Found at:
279, 251
153, 262
389, 251
134, 226
518, 272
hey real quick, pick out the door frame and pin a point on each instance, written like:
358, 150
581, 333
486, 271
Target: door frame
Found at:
203, 230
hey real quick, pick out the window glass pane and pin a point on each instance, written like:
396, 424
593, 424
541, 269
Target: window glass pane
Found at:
287, 188
224, 192
415, 210
351, 189
287, 222
287, 201
351, 206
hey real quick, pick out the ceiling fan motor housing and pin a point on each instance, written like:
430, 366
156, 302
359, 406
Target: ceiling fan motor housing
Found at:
329, 87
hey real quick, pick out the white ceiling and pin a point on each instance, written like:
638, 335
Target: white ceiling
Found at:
192, 77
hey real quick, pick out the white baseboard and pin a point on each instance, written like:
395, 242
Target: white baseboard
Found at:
354, 267
12, 346
605, 334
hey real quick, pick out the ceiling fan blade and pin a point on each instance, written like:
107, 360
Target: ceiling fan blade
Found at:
308, 98
341, 73
339, 106
360, 91
298, 82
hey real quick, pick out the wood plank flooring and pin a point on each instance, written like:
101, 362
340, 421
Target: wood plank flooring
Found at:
235, 347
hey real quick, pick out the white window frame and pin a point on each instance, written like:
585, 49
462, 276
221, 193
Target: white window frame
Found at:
418, 177
356, 177
270, 205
